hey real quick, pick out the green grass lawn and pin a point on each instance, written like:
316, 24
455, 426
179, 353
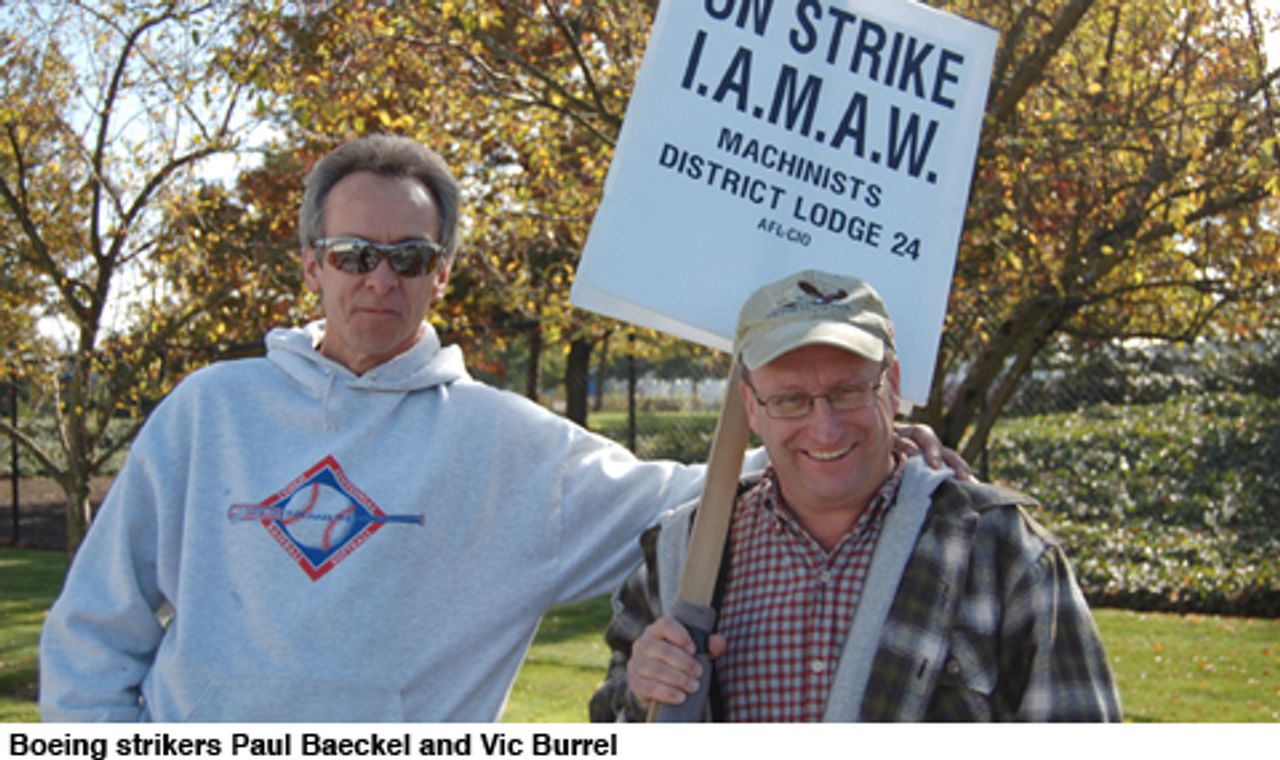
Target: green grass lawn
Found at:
564, 666
1170, 668
1194, 668
29, 580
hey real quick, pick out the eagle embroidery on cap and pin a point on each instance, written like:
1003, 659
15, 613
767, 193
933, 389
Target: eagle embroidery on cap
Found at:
822, 298
816, 298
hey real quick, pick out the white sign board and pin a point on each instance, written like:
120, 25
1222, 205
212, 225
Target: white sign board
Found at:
768, 136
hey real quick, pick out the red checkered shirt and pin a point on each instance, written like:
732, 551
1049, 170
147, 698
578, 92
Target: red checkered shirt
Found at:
788, 604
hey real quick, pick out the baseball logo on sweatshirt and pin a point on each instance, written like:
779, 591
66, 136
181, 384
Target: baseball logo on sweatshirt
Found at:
320, 518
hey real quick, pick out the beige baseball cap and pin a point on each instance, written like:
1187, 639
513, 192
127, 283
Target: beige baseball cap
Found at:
813, 307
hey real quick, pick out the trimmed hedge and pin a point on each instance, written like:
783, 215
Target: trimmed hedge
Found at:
1172, 506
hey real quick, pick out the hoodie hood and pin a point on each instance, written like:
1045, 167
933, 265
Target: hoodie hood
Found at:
425, 365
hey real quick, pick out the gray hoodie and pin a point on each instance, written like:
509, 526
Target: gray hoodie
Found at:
292, 542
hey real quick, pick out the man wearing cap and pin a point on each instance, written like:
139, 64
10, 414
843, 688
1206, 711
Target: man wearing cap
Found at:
350, 528
856, 584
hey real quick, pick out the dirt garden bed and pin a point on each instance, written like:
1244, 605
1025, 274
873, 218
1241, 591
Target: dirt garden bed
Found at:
42, 512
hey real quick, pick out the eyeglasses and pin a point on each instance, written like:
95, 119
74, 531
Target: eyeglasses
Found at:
410, 258
843, 398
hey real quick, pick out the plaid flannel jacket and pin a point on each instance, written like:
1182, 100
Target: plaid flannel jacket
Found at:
988, 624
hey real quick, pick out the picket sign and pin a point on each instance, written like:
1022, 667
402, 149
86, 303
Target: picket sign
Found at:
764, 137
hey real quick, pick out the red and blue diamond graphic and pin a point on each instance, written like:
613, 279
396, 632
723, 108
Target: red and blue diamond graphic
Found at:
320, 518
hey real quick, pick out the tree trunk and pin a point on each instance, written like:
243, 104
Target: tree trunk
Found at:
73, 424
576, 372
602, 372
631, 392
533, 376
79, 515
989, 412
1027, 323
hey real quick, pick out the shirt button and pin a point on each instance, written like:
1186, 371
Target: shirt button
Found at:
824, 576
817, 666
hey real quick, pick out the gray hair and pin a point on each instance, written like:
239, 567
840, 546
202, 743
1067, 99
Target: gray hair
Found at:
388, 156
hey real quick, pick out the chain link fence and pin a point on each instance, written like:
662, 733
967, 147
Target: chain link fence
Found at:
1144, 373
659, 416
661, 413
659, 409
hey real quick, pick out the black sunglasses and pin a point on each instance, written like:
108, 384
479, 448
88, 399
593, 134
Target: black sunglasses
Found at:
410, 258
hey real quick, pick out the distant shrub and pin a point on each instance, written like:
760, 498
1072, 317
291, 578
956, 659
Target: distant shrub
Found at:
1170, 506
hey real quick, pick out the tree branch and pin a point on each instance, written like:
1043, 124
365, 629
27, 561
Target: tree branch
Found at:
41, 257
104, 126
581, 106
1031, 70
32, 446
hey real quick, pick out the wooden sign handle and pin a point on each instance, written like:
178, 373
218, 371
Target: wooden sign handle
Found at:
706, 542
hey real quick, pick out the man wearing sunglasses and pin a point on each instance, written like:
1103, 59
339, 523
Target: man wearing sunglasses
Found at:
351, 528
857, 584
